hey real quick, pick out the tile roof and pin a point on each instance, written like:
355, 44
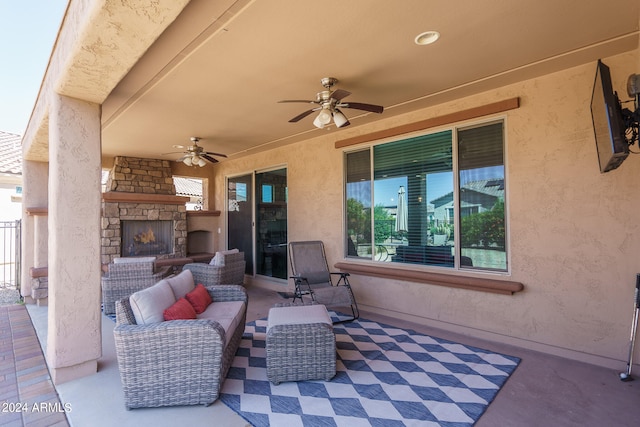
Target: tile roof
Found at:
10, 153
188, 186
492, 187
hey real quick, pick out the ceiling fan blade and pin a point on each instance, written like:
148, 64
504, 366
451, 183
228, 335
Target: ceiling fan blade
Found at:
209, 158
173, 152
365, 107
306, 101
338, 94
215, 154
302, 116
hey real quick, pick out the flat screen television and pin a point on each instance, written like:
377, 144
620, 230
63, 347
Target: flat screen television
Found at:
608, 124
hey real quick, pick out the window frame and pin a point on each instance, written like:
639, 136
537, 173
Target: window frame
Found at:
454, 128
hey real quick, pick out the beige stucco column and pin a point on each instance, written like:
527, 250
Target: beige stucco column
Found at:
41, 228
34, 183
74, 328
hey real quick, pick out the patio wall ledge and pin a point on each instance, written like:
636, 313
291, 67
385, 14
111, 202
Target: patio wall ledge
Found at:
496, 286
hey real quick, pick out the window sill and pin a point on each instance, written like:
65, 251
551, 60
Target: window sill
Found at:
505, 287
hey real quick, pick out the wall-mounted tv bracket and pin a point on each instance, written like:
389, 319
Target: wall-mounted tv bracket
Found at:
631, 119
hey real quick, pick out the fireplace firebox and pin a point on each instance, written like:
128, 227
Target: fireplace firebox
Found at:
145, 237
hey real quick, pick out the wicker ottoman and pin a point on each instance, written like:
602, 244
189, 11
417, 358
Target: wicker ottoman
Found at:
300, 344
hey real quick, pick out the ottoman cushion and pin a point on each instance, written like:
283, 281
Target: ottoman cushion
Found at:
298, 315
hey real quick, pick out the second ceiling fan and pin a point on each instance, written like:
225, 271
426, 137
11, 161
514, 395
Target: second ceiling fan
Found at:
329, 104
195, 155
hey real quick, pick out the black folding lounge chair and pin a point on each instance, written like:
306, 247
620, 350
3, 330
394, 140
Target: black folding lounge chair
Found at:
312, 277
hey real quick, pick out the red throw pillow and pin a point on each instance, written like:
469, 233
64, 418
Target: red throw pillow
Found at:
199, 298
180, 310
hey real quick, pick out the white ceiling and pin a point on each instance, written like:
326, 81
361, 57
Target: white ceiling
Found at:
220, 68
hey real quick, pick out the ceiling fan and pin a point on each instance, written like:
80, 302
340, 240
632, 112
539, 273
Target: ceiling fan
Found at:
329, 104
194, 155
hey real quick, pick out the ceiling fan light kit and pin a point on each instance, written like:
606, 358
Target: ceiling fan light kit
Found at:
323, 119
195, 155
194, 161
340, 119
330, 103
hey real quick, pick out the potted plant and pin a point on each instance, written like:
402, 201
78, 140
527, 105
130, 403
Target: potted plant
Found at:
440, 235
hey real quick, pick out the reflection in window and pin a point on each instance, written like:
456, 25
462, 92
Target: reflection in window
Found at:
237, 193
358, 205
482, 219
241, 192
267, 193
407, 199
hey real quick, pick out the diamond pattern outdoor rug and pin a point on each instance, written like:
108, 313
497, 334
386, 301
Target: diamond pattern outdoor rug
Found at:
386, 376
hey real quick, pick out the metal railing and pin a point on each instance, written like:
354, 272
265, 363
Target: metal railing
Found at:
10, 254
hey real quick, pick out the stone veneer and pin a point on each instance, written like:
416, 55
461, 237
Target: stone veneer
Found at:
141, 189
135, 175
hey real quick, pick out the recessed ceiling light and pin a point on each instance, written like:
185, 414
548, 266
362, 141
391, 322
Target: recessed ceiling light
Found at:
427, 37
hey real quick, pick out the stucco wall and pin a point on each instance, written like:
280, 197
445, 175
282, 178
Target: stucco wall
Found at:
573, 232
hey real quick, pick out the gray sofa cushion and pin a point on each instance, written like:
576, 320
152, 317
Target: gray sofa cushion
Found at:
181, 284
228, 314
218, 258
148, 305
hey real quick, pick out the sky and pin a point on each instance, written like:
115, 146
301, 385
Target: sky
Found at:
28, 30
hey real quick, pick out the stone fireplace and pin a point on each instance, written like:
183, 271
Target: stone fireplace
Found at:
141, 214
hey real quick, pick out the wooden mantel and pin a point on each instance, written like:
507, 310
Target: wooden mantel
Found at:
121, 197
202, 213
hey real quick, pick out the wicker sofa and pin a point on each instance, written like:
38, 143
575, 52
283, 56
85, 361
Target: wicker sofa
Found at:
177, 362
226, 268
125, 276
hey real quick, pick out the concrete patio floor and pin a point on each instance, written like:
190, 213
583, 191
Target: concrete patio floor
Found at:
544, 390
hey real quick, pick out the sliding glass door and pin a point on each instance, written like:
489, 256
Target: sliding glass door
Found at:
240, 217
271, 221
265, 247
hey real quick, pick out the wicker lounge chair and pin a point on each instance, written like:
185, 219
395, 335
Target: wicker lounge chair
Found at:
311, 276
229, 271
128, 275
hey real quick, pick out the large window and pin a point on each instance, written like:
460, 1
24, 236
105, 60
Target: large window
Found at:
435, 199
